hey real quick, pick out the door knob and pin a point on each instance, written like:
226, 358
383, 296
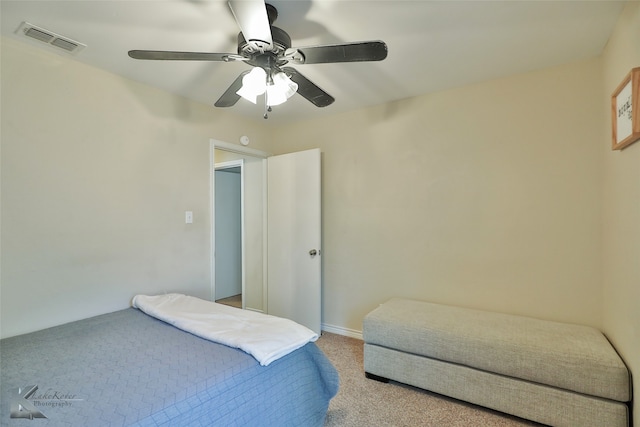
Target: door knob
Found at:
313, 252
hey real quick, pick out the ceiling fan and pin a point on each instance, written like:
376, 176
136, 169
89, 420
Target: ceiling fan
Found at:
268, 50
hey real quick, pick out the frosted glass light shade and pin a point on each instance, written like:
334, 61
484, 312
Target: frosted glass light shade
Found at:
282, 89
278, 90
253, 84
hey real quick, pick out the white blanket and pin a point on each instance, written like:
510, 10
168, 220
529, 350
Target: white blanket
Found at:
265, 337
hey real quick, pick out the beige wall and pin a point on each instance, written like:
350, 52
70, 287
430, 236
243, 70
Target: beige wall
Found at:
487, 196
621, 285
97, 172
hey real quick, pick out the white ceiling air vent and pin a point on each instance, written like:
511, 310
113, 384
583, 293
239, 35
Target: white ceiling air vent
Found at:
49, 37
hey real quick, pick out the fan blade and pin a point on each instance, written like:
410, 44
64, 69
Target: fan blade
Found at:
308, 89
348, 52
251, 16
230, 97
183, 56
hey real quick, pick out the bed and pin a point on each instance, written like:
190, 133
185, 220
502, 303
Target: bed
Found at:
128, 368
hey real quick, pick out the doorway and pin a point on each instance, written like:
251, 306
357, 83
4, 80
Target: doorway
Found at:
229, 221
281, 255
253, 240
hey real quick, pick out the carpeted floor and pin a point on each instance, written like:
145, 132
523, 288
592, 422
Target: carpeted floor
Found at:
364, 402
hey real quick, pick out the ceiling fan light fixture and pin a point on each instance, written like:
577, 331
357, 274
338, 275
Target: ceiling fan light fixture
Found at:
282, 89
254, 84
268, 49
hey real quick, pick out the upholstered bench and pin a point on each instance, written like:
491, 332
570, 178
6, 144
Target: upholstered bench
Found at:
549, 372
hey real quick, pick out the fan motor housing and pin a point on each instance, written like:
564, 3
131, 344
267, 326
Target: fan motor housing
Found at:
281, 42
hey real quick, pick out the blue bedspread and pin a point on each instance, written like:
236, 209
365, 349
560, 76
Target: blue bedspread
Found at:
127, 368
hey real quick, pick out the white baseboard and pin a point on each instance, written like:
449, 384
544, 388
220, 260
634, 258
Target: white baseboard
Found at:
339, 330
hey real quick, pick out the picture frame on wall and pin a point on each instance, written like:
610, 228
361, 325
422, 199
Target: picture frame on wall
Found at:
625, 111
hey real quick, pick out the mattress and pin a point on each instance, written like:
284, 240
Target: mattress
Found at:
127, 368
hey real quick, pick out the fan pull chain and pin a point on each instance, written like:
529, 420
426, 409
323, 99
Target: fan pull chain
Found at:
267, 107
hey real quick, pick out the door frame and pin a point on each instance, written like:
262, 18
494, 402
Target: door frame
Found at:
220, 167
215, 144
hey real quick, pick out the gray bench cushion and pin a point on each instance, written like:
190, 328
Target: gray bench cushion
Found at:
571, 357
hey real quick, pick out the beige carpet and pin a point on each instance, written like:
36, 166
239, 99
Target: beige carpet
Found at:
364, 402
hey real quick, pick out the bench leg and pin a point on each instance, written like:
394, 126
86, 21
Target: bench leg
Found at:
376, 377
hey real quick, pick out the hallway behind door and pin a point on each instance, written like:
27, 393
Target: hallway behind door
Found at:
228, 235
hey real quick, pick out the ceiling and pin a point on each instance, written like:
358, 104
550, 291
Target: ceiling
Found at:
433, 45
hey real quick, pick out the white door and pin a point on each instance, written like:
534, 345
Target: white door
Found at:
294, 237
